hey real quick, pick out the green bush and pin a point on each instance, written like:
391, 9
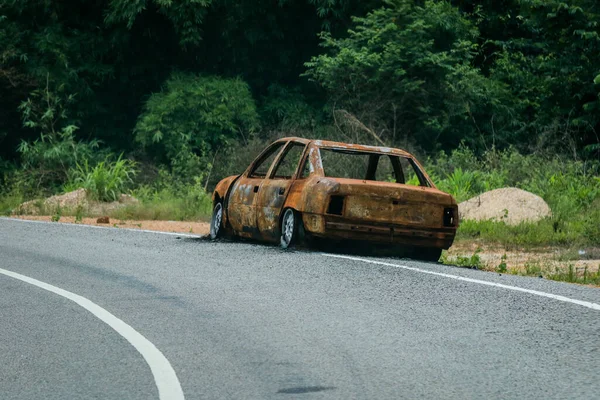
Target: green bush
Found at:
460, 183
193, 119
285, 109
105, 181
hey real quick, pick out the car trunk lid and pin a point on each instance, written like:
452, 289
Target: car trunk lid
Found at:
387, 203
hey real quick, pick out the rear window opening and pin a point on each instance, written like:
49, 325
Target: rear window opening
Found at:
366, 166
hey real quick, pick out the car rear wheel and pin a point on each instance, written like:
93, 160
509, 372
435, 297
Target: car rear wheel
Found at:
289, 228
216, 222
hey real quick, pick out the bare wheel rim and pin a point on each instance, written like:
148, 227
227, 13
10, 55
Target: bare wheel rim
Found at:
216, 220
288, 226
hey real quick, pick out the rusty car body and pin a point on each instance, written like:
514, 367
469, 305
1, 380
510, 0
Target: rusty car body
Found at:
320, 189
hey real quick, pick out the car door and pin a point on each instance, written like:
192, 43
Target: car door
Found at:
241, 207
275, 189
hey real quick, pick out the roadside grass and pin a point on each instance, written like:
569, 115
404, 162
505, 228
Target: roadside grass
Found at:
473, 261
10, 201
168, 206
161, 206
583, 230
168, 199
576, 275
570, 273
165, 199
570, 187
559, 242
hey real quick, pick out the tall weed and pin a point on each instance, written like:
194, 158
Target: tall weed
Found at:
105, 181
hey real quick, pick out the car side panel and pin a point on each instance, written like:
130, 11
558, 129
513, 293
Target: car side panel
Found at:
241, 207
272, 196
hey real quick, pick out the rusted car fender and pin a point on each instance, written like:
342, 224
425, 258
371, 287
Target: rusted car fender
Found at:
223, 187
311, 196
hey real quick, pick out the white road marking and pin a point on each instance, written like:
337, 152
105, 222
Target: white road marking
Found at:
102, 227
587, 304
166, 380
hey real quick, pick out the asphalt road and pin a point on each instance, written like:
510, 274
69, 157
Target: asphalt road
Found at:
248, 321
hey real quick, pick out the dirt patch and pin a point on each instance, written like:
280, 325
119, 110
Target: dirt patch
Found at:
73, 201
510, 205
198, 228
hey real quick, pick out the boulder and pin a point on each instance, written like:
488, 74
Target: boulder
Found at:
510, 205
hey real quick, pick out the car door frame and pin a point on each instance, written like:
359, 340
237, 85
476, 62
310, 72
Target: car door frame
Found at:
241, 202
274, 193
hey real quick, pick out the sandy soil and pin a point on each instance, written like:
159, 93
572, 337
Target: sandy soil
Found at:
198, 228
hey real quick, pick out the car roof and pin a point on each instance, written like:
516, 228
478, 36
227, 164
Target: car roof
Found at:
326, 144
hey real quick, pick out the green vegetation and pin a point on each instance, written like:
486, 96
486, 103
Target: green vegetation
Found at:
574, 276
192, 119
488, 94
168, 202
105, 181
10, 201
407, 70
474, 261
582, 275
549, 268
502, 267
57, 214
79, 214
571, 189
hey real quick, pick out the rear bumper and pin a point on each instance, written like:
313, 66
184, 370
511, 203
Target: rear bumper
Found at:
337, 228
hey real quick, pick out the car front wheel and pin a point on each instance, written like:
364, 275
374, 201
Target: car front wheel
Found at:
216, 222
289, 228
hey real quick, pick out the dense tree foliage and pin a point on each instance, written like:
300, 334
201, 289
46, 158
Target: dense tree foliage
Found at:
407, 70
193, 118
173, 82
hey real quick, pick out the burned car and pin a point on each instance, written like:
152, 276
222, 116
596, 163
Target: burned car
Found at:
298, 188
